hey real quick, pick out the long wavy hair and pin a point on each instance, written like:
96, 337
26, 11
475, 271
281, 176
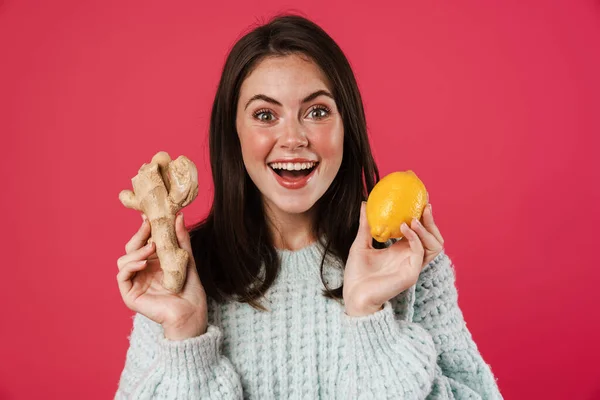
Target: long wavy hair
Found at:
233, 243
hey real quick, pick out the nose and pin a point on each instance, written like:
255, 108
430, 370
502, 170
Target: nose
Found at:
293, 136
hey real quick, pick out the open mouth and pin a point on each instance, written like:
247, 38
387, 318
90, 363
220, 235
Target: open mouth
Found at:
293, 171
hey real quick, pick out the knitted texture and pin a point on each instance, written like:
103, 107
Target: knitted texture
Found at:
306, 347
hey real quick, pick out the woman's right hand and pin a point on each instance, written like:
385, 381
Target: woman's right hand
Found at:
183, 315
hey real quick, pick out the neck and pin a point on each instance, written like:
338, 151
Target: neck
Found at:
291, 231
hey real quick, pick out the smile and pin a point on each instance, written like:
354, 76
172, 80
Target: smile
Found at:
293, 175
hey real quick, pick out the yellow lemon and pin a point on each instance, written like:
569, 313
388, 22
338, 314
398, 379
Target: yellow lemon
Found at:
398, 197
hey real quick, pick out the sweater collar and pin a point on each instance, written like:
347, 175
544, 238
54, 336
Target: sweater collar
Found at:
305, 263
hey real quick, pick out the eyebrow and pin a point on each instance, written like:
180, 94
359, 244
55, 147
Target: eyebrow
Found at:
271, 100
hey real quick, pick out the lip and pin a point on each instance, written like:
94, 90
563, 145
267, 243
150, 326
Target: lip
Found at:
291, 160
296, 183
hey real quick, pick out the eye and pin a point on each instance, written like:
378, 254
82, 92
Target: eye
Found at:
264, 115
319, 112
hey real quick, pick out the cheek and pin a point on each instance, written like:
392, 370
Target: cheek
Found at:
329, 142
255, 145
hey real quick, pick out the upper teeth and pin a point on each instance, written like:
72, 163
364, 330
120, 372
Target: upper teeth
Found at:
293, 166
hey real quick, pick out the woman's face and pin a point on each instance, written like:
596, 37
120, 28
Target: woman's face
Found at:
290, 131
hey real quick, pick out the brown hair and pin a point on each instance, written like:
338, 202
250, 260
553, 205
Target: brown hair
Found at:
232, 243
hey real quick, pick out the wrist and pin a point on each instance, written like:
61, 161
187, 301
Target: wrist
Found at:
181, 331
353, 311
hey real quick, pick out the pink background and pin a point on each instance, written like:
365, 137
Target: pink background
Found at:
495, 105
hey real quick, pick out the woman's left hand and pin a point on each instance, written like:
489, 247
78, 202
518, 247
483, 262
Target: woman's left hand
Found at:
374, 276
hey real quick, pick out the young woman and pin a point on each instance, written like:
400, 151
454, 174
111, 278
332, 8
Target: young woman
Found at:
287, 295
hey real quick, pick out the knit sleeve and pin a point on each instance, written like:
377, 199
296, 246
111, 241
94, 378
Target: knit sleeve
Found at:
461, 372
385, 358
158, 368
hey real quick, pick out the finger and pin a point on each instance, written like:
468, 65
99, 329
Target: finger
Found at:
417, 251
363, 237
140, 238
136, 255
126, 273
183, 236
429, 241
430, 225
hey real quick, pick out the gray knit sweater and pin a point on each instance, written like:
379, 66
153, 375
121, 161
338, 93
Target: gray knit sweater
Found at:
306, 347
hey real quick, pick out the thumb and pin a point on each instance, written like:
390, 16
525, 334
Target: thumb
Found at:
363, 236
183, 236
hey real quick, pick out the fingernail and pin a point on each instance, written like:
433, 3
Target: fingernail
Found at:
430, 208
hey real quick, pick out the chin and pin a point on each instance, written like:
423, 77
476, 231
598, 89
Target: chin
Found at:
292, 204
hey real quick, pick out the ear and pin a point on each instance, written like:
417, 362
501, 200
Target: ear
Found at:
363, 239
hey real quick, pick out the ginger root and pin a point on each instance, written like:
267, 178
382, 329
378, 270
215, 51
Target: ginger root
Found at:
160, 189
